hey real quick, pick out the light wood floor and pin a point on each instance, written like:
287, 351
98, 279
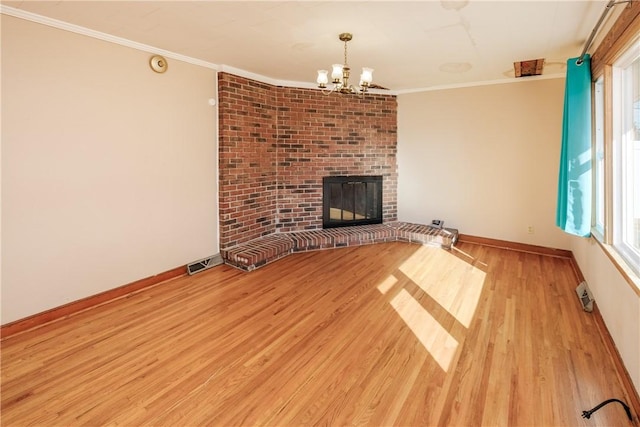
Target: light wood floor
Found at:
387, 334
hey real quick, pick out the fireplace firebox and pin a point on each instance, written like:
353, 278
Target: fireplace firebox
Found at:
351, 200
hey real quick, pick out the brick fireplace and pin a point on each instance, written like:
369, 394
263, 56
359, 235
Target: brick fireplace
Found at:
277, 144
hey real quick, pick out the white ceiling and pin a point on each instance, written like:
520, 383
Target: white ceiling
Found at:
412, 45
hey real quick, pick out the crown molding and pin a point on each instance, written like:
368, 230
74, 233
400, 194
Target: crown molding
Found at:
285, 83
482, 83
249, 75
61, 25
29, 16
264, 79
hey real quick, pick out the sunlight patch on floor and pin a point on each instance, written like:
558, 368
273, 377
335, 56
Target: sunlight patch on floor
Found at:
453, 283
387, 284
435, 339
454, 249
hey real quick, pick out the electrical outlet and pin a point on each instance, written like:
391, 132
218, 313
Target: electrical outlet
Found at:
530, 229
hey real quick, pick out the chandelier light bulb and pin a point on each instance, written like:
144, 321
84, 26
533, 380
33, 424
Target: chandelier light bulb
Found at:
367, 76
323, 78
336, 74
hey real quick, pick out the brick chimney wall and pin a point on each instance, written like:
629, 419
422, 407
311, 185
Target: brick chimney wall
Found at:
277, 143
247, 159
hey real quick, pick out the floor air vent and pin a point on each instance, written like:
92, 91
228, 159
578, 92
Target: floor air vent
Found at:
203, 264
585, 297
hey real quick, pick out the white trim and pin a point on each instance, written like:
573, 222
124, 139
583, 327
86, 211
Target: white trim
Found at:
29, 16
314, 86
18, 13
482, 83
284, 83
248, 74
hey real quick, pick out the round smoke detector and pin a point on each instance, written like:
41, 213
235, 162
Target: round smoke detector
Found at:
158, 64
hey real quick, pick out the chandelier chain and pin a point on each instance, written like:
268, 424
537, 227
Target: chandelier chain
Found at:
345, 54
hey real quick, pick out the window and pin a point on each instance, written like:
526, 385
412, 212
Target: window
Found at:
599, 194
626, 156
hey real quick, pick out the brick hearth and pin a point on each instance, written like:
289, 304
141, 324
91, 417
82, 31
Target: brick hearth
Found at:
260, 251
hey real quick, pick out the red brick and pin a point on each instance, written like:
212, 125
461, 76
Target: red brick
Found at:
280, 141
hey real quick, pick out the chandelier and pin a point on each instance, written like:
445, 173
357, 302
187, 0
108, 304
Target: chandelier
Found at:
340, 75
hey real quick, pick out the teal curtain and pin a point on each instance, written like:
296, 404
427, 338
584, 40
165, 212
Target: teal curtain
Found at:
573, 214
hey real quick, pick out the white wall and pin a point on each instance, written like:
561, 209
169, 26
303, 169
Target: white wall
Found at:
617, 301
109, 170
483, 159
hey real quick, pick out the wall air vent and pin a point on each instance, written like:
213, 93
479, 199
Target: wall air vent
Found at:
532, 67
204, 264
585, 297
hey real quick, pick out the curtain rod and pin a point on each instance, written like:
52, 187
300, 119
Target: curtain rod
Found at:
597, 27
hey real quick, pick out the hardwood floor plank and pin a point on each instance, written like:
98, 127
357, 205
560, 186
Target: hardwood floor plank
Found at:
387, 334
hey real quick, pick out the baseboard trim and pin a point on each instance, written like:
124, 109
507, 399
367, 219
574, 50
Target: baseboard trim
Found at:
632, 397
515, 246
66, 310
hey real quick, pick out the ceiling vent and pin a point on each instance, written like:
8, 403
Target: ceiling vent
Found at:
532, 67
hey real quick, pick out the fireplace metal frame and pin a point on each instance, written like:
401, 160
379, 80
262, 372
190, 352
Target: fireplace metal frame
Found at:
373, 208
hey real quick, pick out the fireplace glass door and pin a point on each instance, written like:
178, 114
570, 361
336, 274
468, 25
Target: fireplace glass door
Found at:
352, 200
